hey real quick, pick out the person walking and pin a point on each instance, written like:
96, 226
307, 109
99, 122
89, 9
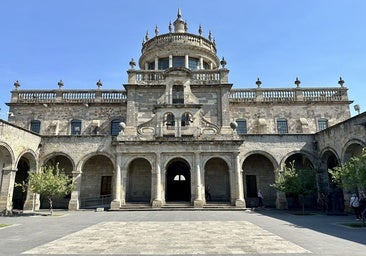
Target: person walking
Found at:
354, 202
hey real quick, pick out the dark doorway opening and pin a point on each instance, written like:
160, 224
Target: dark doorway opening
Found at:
21, 175
178, 182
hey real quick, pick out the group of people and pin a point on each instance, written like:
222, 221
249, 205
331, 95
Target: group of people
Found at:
358, 204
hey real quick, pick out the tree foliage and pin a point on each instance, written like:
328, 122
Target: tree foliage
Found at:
49, 182
296, 182
351, 174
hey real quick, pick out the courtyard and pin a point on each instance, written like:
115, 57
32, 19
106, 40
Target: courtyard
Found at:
225, 232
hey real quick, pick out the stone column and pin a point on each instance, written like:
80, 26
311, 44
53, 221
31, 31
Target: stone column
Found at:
170, 61
116, 203
157, 203
156, 64
186, 61
201, 63
74, 203
239, 202
32, 202
6, 191
198, 202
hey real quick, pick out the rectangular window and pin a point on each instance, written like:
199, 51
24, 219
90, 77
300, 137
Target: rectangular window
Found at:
251, 182
106, 185
242, 126
35, 126
178, 62
193, 63
115, 127
75, 127
282, 126
163, 63
322, 124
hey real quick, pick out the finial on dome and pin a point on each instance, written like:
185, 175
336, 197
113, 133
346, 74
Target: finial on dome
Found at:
200, 30
180, 26
170, 27
210, 36
147, 36
156, 30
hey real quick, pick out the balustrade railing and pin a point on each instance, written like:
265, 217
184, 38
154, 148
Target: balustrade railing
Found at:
68, 96
288, 94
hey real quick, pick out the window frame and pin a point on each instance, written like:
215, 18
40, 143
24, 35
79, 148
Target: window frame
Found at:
35, 124
76, 123
282, 125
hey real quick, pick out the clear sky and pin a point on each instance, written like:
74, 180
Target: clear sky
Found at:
81, 41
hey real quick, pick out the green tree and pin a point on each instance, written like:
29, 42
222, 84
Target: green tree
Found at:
351, 174
50, 182
296, 182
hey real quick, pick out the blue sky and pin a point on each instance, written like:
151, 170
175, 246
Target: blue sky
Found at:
81, 41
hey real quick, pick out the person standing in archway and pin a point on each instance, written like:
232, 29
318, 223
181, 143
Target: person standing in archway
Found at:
260, 199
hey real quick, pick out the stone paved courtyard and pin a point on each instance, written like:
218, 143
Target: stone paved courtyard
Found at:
170, 238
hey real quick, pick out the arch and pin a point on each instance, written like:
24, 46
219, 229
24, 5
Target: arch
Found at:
7, 158
258, 174
96, 181
52, 158
169, 119
25, 163
186, 119
80, 165
178, 180
352, 148
139, 181
302, 161
217, 180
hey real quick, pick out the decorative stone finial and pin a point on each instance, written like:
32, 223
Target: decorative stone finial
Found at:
258, 83
341, 81
99, 84
180, 26
156, 30
200, 30
147, 36
122, 126
170, 27
132, 63
297, 82
16, 85
60, 84
233, 125
210, 36
223, 62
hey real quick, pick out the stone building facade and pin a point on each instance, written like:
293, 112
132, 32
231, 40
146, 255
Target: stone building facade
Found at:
177, 133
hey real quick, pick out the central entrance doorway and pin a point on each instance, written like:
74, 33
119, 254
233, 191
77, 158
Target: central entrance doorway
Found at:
178, 181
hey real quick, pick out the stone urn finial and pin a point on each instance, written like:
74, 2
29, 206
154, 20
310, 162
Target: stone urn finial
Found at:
258, 83
99, 84
200, 30
223, 62
156, 30
147, 36
210, 36
341, 81
170, 27
132, 63
297, 82
16, 85
122, 126
60, 84
233, 125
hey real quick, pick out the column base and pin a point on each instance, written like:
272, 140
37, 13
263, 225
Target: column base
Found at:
74, 205
116, 204
31, 205
157, 204
240, 203
198, 203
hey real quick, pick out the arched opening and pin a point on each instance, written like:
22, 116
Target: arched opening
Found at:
352, 150
96, 182
331, 197
19, 196
139, 181
301, 162
178, 181
258, 175
217, 181
65, 166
